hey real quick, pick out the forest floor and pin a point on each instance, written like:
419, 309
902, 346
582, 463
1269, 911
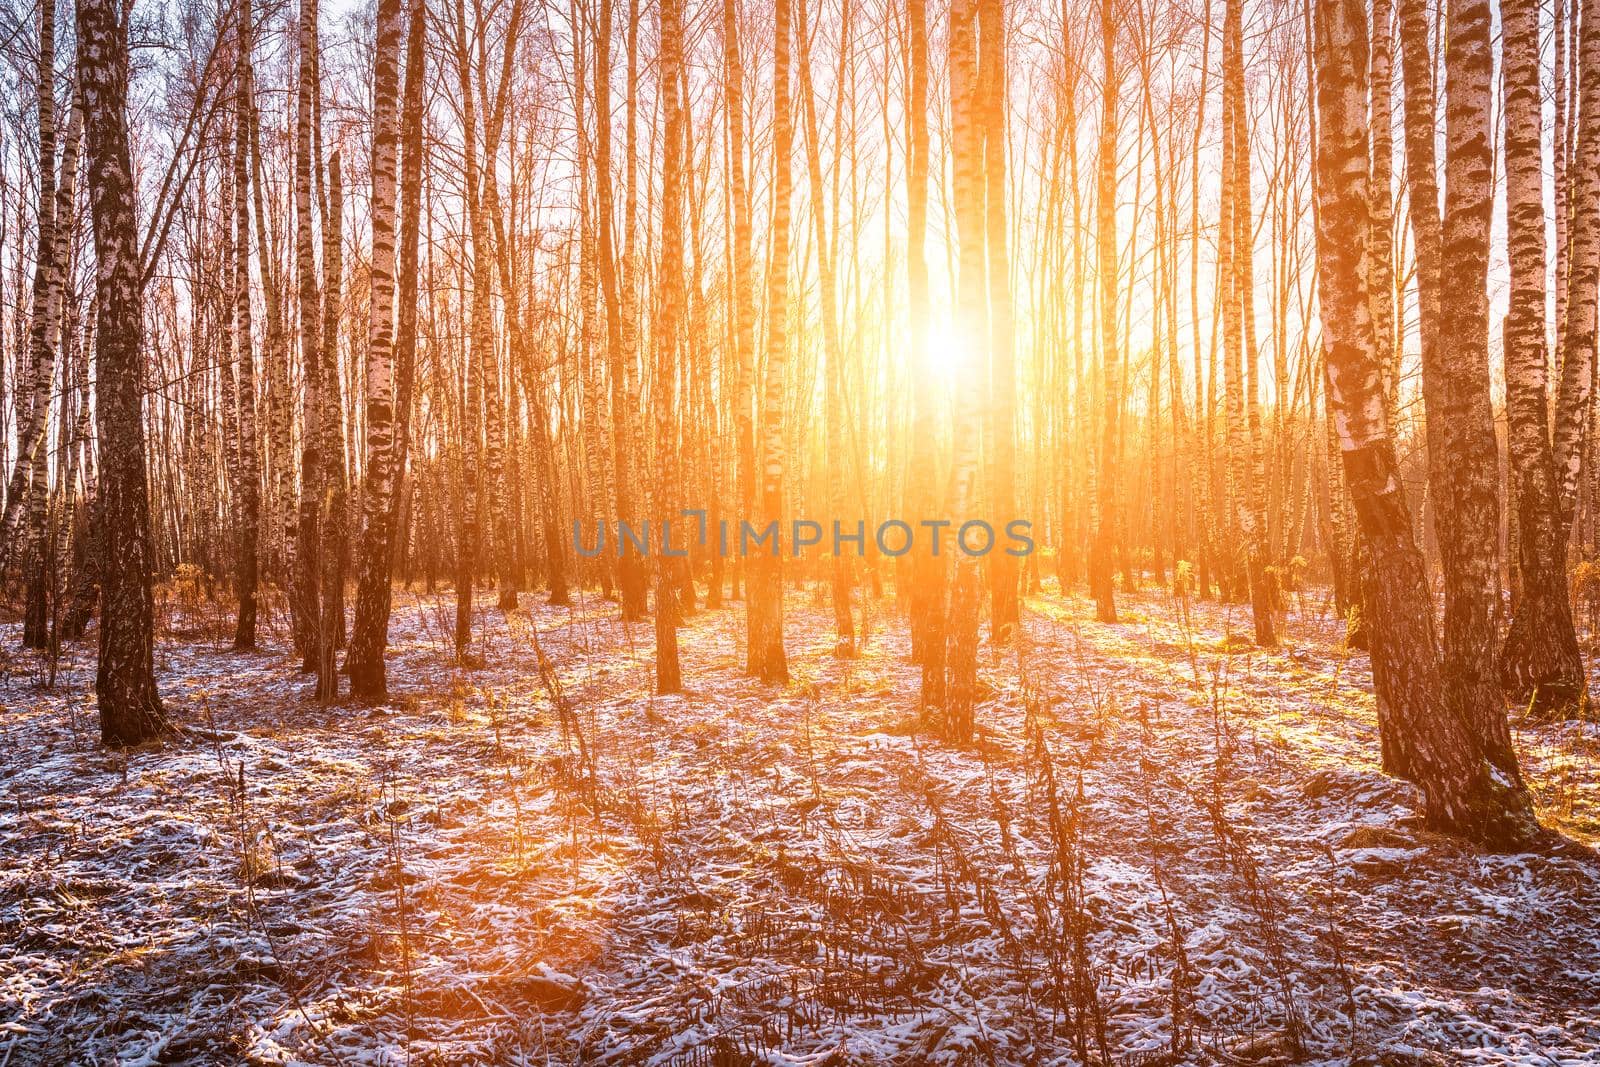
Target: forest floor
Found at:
1166, 847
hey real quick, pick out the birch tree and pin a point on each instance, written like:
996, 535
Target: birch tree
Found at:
665, 337
1102, 566
244, 358
125, 686
1539, 663
927, 571
365, 661
970, 328
765, 657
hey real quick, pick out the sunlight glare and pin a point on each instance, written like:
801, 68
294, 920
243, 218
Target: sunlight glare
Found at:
945, 357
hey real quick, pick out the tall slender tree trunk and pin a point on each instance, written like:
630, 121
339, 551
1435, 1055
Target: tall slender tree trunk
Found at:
1583, 280
633, 564
1102, 567
333, 519
33, 422
249, 487
1201, 450
125, 684
765, 656
833, 349
630, 567
595, 459
1470, 451
29, 494
1427, 229
305, 593
1004, 611
1235, 243
666, 340
1539, 663
376, 553
279, 403
927, 570
1235, 433
1380, 255
971, 330
481, 345
57, 335
405, 358
744, 311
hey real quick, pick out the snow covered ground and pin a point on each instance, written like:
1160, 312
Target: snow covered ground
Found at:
1166, 847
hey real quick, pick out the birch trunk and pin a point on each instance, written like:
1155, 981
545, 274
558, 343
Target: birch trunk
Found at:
971, 330
1470, 452
595, 459
833, 350
411, 168
480, 345
279, 403
1427, 230
744, 311
765, 656
125, 685
1004, 613
249, 466
56, 337
1583, 279
927, 571
1103, 543
332, 518
630, 572
305, 587
666, 341
1253, 507
33, 411
1540, 666
376, 555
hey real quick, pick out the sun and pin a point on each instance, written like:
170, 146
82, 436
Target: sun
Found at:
944, 354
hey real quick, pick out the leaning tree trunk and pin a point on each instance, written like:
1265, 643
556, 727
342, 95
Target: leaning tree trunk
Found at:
1539, 663
125, 684
375, 562
1462, 792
